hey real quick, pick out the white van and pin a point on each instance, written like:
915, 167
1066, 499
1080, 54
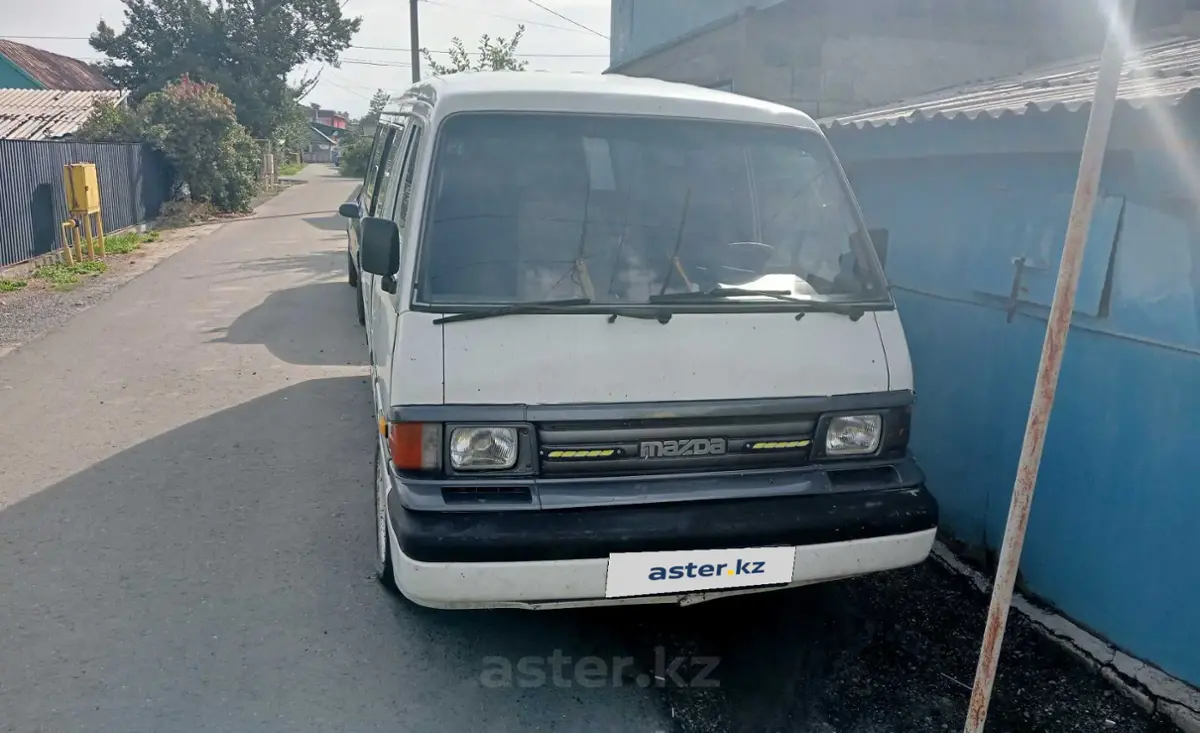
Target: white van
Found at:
630, 343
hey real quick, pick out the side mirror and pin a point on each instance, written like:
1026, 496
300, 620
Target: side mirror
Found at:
350, 210
879, 238
379, 245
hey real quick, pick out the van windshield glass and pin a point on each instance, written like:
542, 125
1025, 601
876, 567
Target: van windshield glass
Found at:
531, 207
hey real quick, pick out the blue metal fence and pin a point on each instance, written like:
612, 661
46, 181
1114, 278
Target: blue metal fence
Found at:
1116, 509
134, 183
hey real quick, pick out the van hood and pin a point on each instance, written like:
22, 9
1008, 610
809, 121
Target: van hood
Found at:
581, 358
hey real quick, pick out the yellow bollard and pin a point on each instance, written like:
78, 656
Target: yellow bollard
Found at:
87, 232
100, 232
68, 229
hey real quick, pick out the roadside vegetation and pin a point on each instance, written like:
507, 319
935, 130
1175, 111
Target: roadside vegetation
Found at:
123, 244
291, 169
62, 276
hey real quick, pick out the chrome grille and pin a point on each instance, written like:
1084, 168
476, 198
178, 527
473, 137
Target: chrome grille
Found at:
673, 445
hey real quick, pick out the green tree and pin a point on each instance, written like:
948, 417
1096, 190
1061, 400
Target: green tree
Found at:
292, 132
493, 54
110, 122
379, 102
353, 162
246, 47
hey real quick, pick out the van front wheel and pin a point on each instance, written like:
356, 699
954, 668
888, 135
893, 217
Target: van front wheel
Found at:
383, 548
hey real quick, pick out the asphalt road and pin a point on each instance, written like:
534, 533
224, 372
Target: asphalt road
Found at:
186, 519
186, 539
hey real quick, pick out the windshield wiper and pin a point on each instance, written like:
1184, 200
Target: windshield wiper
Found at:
533, 306
661, 315
854, 312
701, 296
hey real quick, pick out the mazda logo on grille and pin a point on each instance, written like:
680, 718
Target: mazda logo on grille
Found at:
682, 448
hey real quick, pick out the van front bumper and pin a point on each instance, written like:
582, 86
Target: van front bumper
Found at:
544, 559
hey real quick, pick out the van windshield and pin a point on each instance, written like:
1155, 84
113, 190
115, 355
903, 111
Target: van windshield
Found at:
533, 207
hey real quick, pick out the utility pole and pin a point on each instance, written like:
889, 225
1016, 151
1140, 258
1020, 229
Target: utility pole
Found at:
1095, 142
415, 40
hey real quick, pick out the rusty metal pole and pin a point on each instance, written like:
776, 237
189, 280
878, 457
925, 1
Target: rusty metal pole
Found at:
414, 33
1086, 186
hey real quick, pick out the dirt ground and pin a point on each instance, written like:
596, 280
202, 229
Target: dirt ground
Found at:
892, 653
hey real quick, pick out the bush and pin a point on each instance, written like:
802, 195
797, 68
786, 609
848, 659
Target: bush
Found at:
196, 129
353, 163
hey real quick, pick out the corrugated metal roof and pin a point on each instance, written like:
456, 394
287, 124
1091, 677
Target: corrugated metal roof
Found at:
1164, 73
43, 114
52, 70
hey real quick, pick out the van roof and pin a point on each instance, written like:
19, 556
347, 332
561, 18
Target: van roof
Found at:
537, 91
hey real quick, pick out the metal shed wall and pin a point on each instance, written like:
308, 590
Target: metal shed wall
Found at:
134, 183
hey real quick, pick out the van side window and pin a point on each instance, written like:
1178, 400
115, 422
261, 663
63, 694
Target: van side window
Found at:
410, 167
390, 173
383, 147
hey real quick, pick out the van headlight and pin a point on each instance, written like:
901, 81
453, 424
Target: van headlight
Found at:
853, 435
483, 449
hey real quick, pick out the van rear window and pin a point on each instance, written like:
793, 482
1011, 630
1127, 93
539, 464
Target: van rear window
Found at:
527, 207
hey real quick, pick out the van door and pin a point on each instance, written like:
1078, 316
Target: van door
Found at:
380, 205
366, 193
395, 205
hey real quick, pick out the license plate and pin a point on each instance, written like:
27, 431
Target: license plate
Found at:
655, 573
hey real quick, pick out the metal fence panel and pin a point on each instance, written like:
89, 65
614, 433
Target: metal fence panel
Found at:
134, 183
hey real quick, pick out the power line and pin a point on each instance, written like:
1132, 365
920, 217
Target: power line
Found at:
370, 62
45, 38
505, 17
526, 55
572, 22
365, 48
345, 88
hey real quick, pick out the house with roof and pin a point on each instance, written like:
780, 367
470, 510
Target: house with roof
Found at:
973, 185
48, 114
328, 117
26, 67
46, 96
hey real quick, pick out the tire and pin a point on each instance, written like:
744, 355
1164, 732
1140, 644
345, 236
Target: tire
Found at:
383, 548
352, 271
358, 297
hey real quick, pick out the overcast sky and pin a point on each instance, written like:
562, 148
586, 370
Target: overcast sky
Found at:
551, 43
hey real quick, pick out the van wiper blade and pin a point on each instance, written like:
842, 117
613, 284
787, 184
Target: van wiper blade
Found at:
702, 296
854, 312
533, 306
661, 315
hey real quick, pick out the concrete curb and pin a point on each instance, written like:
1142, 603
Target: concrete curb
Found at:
1148, 686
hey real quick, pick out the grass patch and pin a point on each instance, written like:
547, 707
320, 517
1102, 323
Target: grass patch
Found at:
123, 244
60, 274
11, 286
290, 169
